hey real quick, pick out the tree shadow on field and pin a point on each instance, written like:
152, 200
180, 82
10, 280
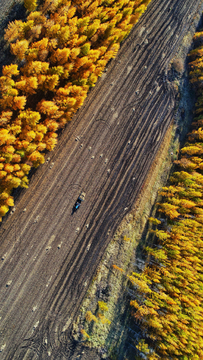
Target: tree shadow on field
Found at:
14, 11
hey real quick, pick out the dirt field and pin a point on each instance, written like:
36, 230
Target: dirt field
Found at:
48, 256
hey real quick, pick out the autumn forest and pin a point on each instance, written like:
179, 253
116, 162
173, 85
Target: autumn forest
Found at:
60, 51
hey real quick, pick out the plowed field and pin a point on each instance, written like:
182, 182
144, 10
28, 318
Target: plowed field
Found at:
48, 256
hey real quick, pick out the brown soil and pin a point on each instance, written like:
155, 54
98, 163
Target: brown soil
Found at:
48, 255
114, 340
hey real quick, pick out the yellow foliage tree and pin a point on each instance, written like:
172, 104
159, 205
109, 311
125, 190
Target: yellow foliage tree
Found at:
30, 5
19, 48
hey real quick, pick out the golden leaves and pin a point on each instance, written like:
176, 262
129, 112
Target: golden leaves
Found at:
47, 107
19, 102
30, 5
14, 31
60, 56
10, 70
19, 48
90, 317
102, 306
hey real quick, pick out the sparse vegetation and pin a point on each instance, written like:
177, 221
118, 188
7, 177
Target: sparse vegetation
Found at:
99, 320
